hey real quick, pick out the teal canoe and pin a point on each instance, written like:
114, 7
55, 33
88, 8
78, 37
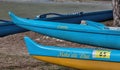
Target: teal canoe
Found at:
80, 58
8, 28
91, 33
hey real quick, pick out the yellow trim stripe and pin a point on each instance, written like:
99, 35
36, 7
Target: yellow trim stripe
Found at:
81, 64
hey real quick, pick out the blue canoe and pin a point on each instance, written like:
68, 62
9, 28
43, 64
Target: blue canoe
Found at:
97, 16
91, 33
8, 28
81, 58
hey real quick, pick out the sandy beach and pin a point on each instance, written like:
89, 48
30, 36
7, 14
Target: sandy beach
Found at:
13, 52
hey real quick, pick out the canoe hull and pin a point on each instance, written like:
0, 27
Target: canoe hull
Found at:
91, 34
103, 40
97, 16
75, 53
9, 28
80, 58
80, 64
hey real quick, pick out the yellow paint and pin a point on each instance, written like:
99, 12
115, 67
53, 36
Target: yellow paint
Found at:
81, 64
101, 54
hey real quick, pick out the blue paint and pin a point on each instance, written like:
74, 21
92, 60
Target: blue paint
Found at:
92, 33
53, 51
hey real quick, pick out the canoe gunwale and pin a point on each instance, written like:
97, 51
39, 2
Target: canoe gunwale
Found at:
81, 30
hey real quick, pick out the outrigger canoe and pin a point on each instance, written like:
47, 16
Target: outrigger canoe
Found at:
80, 58
91, 33
97, 16
8, 28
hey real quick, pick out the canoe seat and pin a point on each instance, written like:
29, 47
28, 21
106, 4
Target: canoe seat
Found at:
58, 15
45, 15
83, 22
114, 28
93, 24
